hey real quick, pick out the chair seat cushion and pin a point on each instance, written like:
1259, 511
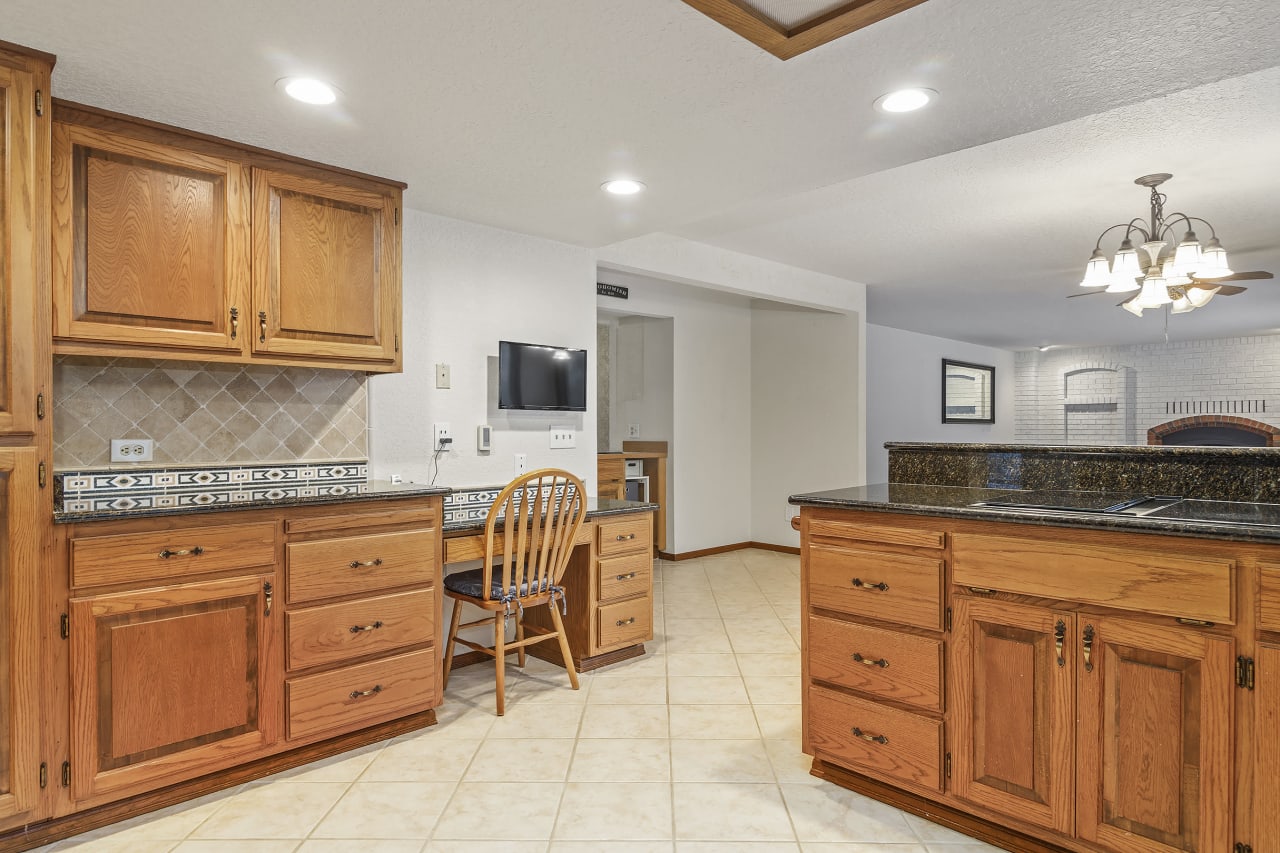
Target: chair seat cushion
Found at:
471, 583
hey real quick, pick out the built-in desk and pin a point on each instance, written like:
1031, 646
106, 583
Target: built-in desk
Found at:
611, 477
608, 584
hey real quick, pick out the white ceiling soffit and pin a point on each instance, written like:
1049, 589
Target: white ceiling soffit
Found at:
984, 244
512, 113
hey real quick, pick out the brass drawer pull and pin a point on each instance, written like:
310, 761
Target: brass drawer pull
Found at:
1195, 623
181, 552
262, 327
625, 577
622, 622
881, 739
981, 590
1059, 639
356, 629
883, 663
861, 584
356, 564
1088, 648
268, 591
235, 323
621, 538
356, 694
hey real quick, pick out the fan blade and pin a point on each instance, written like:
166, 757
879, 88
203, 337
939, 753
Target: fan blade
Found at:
1126, 301
1087, 293
1254, 275
1230, 290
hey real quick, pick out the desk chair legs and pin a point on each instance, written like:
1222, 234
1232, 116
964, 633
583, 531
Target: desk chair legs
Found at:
564, 645
453, 636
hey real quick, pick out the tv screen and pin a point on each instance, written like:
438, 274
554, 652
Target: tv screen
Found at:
532, 376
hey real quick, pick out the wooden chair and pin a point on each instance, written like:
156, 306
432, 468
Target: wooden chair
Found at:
529, 536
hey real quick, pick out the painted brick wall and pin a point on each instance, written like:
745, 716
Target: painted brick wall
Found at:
1113, 395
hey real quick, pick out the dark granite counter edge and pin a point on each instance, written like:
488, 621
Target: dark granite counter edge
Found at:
1093, 521
1269, 453
615, 507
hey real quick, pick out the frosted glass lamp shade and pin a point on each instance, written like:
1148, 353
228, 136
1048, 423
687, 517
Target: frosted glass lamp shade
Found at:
1213, 261
1133, 307
1125, 268
1172, 277
1154, 292
1096, 273
1200, 296
1181, 305
1186, 259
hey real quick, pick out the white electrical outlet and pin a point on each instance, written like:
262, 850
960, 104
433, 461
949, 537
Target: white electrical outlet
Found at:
442, 376
522, 463
396, 479
633, 430
442, 439
563, 437
132, 449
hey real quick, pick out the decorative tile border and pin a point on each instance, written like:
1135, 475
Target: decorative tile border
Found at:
472, 505
167, 488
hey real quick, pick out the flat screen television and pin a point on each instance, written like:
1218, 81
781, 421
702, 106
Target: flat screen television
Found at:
545, 378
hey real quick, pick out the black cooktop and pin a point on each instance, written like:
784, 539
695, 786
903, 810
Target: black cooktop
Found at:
1069, 501
1221, 512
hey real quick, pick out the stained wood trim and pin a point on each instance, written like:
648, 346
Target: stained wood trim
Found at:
326, 523
74, 824
760, 30
39, 55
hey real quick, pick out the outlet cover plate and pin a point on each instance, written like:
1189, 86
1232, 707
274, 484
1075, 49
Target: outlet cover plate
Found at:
132, 449
633, 430
441, 431
522, 463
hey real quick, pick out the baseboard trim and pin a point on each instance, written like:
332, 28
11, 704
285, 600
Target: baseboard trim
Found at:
724, 549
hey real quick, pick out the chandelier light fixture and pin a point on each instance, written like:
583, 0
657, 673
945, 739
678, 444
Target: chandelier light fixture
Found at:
1184, 276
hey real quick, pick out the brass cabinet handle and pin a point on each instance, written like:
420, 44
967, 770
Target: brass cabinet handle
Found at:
622, 622
262, 327
622, 538
625, 577
1059, 639
1088, 648
883, 663
356, 629
235, 323
356, 564
1196, 623
881, 739
981, 590
267, 591
181, 552
861, 584
356, 694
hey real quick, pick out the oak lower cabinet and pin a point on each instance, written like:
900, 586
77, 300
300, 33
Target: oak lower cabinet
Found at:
1266, 743
172, 682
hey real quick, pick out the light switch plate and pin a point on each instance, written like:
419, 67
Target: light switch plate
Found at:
563, 437
442, 376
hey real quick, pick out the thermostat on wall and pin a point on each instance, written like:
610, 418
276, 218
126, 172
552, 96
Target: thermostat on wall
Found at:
484, 434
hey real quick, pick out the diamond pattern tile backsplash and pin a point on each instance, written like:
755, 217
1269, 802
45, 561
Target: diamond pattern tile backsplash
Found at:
206, 413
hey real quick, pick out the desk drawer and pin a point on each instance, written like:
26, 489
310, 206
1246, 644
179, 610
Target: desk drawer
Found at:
868, 737
625, 622
623, 534
337, 632
881, 585
891, 664
620, 577
1269, 617
383, 690
358, 564
171, 554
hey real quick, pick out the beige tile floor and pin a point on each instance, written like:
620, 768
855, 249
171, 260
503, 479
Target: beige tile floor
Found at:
693, 748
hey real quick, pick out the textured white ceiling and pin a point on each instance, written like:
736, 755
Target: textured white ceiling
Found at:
511, 113
789, 13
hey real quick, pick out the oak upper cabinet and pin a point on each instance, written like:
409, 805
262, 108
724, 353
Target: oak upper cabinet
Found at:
326, 269
19, 210
1012, 678
151, 243
19, 657
1154, 744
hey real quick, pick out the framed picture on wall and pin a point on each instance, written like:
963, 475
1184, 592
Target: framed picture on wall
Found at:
968, 393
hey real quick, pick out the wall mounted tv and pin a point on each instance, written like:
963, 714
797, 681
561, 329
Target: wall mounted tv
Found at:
545, 378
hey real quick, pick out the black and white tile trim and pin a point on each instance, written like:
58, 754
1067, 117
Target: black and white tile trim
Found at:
167, 488
463, 505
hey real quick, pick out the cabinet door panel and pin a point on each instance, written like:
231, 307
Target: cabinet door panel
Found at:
19, 660
1012, 695
18, 263
156, 245
326, 280
170, 683
1155, 738
1266, 740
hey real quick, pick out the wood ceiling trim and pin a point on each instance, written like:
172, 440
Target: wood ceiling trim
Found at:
783, 43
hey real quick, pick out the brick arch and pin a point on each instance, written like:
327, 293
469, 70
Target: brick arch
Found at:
1157, 433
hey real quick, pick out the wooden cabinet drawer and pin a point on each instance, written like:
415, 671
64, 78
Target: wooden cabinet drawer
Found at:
626, 622
886, 663
336, 632
357, 696
894, 587
1269, 601
1148, 581
879, 534
620, 577
171, 554
623, 534
868, 737
356, 564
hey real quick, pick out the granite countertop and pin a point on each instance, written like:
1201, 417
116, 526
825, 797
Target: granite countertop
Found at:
374, 490
1191, 451
1232, 520
596, 507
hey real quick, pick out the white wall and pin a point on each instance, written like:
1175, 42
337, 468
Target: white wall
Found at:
643, 379
804, 411
466, 287
904, 393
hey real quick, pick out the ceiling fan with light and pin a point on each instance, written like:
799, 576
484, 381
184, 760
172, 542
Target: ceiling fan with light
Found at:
1184, 278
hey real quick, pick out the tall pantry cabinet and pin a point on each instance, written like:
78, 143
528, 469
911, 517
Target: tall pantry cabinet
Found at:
25, 378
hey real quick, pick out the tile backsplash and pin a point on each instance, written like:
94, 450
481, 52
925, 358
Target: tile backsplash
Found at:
206, 413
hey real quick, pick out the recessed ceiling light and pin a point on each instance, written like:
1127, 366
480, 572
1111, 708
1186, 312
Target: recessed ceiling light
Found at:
905, 100
309, 90
622, 186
